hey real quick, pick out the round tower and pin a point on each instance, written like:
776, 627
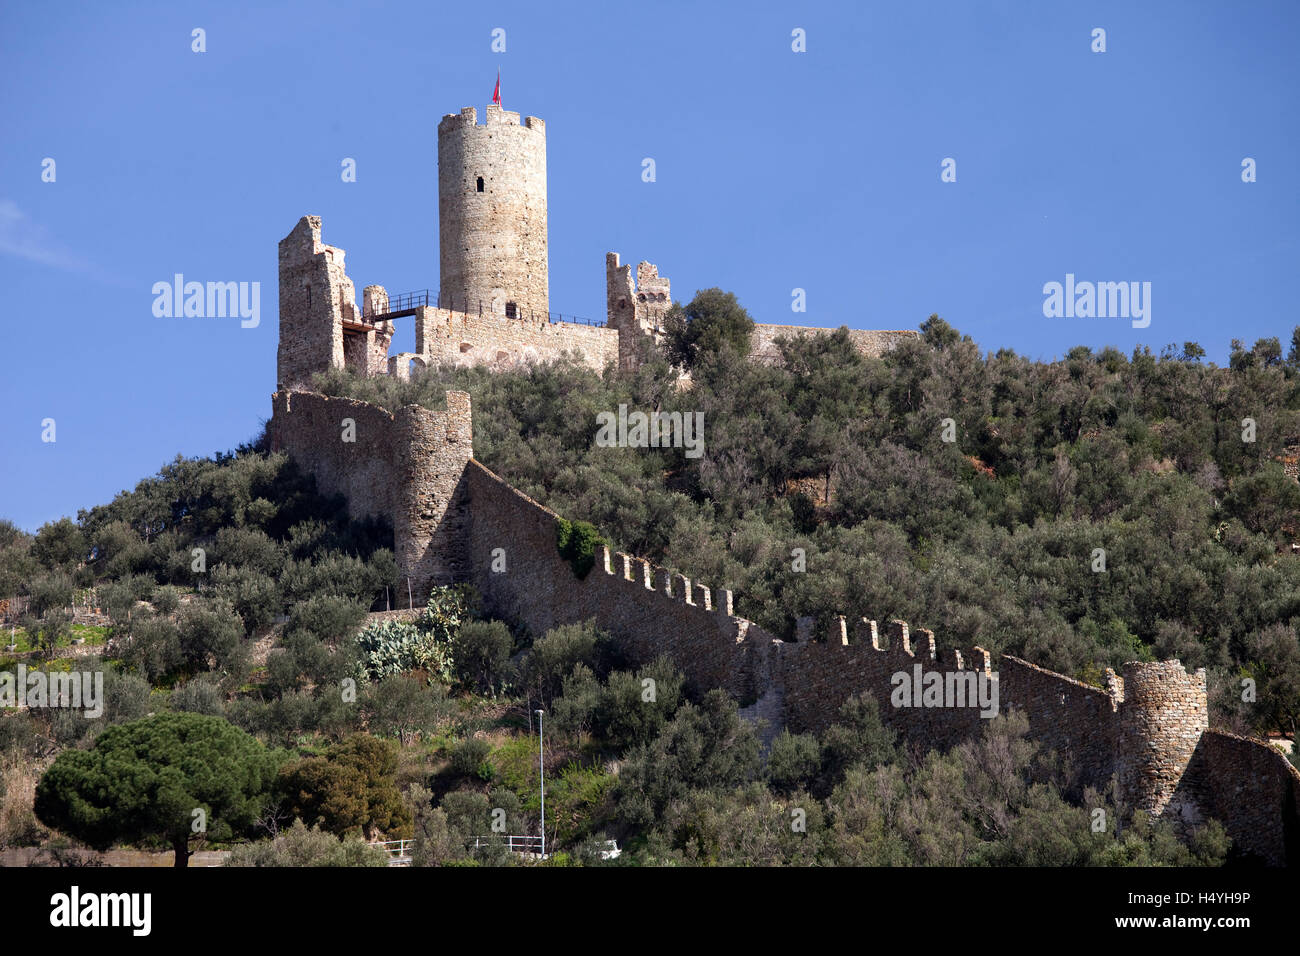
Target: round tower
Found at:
492, 213
1161, 719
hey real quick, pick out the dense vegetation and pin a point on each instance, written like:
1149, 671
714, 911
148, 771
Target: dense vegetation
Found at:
234, 591
991, 539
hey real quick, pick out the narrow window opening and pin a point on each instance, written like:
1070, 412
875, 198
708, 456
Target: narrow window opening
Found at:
510, 310
480, 184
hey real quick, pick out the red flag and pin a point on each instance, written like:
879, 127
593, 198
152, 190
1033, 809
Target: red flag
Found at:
496, 94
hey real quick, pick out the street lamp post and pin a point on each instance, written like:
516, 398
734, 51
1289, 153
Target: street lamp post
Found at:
541, 766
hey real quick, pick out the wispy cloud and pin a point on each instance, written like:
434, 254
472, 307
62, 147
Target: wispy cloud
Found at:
24, 239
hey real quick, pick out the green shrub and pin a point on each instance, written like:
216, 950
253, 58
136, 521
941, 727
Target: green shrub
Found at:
470, 759
481, 650
793, 761
577, 542
298, 846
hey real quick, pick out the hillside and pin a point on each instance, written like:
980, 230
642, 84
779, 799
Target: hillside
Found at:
228, 587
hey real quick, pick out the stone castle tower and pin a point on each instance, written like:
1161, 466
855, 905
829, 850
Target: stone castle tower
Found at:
635, 308
320, 326
492, 214
1164, 712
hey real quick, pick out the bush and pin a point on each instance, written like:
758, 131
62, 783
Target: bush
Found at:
299, 846
328, 617
577, 542
404, 706
470, 759
481, 651
395, 647
199, 697
632, 708
211, 638
166, 599
392, 647
350, 790
793, 761
555, 655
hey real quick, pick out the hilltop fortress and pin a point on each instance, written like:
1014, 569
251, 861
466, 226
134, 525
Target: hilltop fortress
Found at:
455, 521
493, 301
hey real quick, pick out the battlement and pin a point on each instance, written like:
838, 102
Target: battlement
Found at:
454, 520
494, 115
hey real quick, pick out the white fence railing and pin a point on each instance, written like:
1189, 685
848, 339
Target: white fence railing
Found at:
399, 851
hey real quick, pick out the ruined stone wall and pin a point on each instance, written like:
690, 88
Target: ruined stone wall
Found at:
648, 611
320, 326
817, 677
635, 308
314, 296
871, 343
407, 466
492, 243
458, 338
1253, 790
454, 520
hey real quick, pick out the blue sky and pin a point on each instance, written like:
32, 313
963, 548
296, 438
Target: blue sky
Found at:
776, 170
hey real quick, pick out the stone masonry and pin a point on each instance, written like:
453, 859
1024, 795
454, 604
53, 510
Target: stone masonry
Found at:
407, 466
492, 213
493, 303
320, 326
452, 518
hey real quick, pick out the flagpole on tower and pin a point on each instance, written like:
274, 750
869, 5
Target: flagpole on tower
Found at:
496, 93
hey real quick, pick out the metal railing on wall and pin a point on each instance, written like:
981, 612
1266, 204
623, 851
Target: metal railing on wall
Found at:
426, 298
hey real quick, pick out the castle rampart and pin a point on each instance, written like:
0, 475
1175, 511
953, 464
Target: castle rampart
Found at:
869, 342
648, 611
453, 519
458, 338
407, 466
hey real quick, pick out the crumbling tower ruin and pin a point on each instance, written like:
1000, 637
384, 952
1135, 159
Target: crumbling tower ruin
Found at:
320, 325
635, 309
492, 214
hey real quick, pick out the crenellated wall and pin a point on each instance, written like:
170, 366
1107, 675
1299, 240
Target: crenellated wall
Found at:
454, 520
648, 610
818, 676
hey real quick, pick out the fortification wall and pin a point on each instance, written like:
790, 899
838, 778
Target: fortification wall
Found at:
1076, 720
314, 300
407, 466
1253, 790
871, 343
454, 520
648, 611
458, 338
320, 327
